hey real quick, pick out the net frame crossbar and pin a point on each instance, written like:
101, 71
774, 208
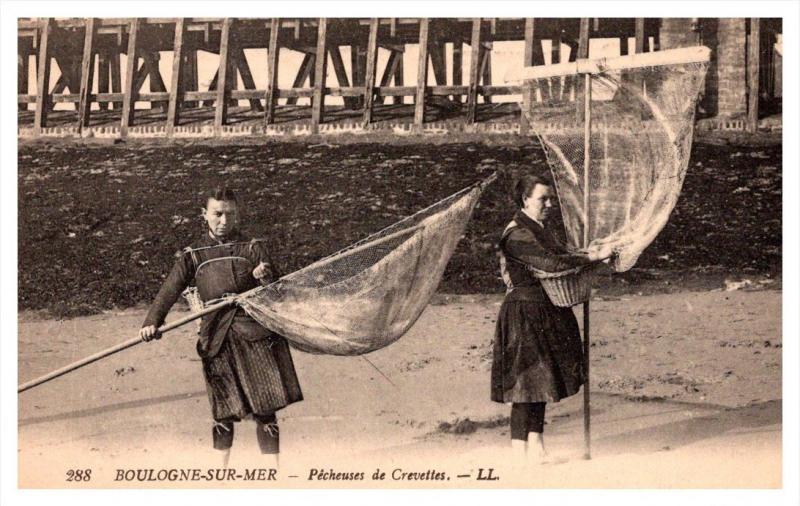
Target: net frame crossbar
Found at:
375, 237
679, 56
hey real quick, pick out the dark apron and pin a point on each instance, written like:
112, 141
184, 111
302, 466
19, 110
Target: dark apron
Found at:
248, 368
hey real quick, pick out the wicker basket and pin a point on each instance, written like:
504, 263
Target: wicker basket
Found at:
567, 288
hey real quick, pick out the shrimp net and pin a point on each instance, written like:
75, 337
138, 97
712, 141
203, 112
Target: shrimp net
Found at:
620, 187
369, 294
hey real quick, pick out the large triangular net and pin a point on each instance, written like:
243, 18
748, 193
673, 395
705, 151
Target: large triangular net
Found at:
369, 294
639, 121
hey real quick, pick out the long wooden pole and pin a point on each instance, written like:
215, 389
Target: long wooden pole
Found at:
555, 58
587, 144
638, 82
362, 247
367, 243
678, 56
529, 92
583, 53
121, 346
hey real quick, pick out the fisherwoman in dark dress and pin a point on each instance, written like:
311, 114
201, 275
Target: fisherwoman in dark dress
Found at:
248, 369
538, 355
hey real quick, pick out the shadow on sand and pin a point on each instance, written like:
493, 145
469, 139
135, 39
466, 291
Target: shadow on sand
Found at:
82, 413
684, 432
659, 436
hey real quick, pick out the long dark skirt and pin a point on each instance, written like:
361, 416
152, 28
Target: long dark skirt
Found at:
538, 354
250, 377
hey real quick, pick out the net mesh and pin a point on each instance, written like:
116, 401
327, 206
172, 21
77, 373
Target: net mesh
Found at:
641, 123
369, 294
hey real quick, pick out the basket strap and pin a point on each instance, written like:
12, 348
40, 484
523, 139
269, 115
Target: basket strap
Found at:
193, 255
505, 257
513, 225
509, 228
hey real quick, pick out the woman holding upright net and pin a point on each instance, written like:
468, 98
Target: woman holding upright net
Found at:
537, 355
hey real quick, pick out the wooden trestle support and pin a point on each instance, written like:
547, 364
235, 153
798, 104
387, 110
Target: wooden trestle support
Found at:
89, 50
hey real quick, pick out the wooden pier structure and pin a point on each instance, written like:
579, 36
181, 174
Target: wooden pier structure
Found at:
105, 89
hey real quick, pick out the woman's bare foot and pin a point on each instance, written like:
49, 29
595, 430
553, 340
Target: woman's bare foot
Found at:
226, 457
536, 451
518, 449
271, 460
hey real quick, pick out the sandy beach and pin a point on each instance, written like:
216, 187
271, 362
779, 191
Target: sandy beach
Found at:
686, 393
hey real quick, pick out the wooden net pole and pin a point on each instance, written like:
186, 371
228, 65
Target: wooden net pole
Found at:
587, 131
121, 346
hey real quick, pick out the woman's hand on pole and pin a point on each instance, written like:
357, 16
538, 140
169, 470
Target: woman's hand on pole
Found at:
600, 252
149, 333
261, 271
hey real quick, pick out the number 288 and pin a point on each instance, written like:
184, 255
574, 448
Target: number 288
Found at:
79, 475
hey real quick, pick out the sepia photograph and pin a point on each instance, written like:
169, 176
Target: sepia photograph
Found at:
425, 252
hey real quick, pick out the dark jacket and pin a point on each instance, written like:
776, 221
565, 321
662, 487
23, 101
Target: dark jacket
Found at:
217, 269
525, 243
537, 354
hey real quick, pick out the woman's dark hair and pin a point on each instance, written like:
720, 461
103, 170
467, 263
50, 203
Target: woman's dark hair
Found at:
221, 193
525, 185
